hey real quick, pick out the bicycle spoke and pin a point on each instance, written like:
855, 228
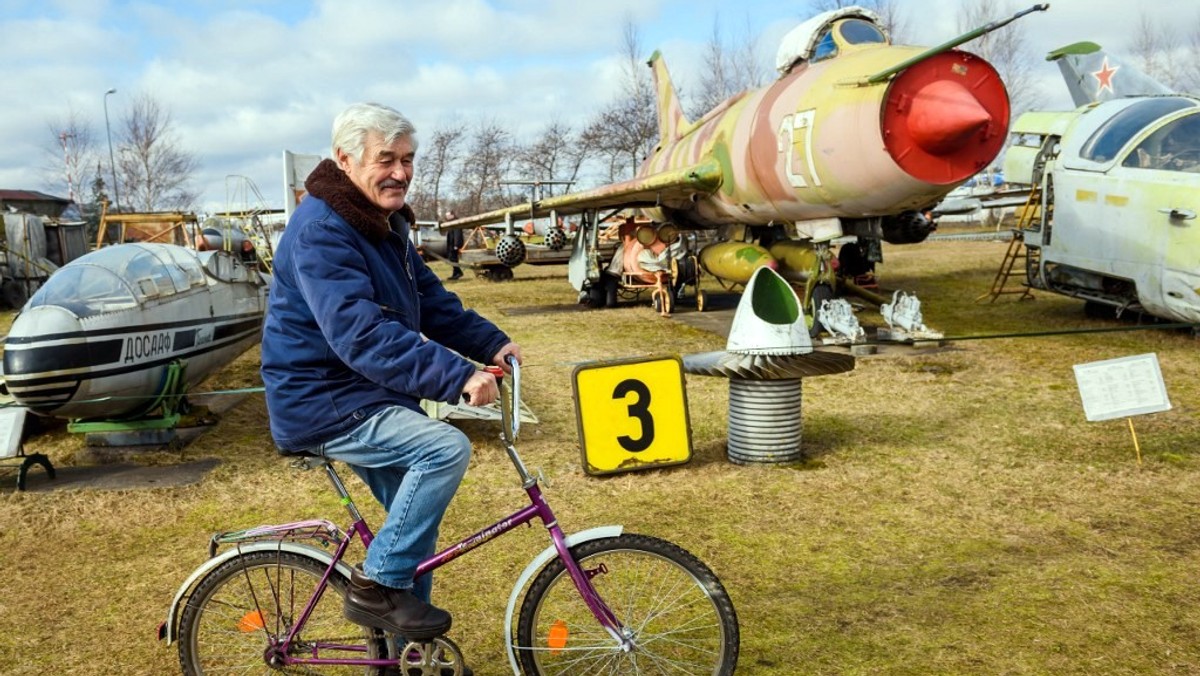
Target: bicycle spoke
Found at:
676, 614
250, 603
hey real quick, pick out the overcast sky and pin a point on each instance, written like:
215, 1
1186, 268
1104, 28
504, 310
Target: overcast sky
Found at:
246, 79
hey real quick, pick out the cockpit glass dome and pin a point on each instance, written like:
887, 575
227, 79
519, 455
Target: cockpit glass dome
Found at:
859, 32
1117, 131
117, 278
85, 290
826, 47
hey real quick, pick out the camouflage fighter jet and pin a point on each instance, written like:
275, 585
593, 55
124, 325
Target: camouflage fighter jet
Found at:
856, 137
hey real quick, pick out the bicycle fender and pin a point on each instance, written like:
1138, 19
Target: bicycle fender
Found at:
534, 566
169, 630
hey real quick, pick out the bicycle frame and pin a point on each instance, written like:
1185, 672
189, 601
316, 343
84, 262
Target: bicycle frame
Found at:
325, 531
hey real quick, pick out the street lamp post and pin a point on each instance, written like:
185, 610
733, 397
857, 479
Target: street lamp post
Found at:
112, 163
62, 137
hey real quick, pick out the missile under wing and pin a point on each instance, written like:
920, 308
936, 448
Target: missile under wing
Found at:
97, 339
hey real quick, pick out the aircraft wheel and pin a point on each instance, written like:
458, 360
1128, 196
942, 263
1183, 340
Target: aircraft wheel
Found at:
1096, 310
700, 298
14, 294
595, 295
610, 292
664, 303
820, 293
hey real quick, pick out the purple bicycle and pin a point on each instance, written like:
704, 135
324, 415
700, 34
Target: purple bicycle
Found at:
600, 601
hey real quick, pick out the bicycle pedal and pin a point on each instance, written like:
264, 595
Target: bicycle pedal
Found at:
435, 657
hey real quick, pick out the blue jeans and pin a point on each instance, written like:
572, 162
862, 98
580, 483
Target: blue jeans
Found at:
413, 465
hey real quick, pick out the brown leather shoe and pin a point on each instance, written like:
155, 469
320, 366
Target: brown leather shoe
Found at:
398, 611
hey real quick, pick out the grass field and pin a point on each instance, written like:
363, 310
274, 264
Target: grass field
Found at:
955, 513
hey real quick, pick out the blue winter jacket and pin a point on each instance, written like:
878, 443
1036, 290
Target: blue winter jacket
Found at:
342, 337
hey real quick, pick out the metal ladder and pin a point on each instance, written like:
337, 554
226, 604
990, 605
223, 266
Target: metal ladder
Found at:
1017, 250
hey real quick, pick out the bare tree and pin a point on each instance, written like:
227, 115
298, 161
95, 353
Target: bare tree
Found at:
436, 161
557, 154
154, 170
485, 164
714, 84
1191, 74
1006, 49
1159, 52
894, 20
727, 70
71, 155
627, 130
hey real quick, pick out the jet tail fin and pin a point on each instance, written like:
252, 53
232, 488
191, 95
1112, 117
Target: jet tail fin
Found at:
1094, 75
671, 120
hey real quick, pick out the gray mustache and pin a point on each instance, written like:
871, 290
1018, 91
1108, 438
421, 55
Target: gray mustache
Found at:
391, 183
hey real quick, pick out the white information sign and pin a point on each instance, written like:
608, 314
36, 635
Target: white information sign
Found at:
1118, 388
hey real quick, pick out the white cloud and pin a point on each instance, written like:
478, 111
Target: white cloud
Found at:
245, 80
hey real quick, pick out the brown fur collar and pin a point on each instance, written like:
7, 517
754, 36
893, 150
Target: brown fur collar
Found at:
329, 183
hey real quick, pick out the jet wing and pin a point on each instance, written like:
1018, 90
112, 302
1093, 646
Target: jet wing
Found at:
674, 186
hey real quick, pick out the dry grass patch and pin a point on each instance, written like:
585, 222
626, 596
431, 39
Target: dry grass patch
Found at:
955, 515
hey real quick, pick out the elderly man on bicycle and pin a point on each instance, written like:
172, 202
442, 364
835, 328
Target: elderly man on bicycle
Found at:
357, 332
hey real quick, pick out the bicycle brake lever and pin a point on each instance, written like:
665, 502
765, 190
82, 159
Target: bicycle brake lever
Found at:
495, 371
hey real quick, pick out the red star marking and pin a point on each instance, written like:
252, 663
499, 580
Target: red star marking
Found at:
1104, 76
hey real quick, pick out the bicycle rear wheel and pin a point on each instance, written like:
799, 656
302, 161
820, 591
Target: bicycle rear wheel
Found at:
251, 602
673, 607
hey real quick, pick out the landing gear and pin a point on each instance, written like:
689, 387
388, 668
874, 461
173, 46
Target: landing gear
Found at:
14, 294
29, 461
663, 302
497, 273
820, 294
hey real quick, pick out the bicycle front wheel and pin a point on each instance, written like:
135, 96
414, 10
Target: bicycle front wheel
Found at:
672, 607
245, 607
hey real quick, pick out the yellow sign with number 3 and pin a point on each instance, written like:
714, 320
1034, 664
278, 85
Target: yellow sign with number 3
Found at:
632, 414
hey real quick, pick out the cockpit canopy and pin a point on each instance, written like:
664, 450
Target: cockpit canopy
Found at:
120, 277
1104, 144
1156, 132
826, 34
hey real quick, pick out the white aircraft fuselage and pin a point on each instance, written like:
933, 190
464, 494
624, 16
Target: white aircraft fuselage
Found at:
96, 340
1121, 181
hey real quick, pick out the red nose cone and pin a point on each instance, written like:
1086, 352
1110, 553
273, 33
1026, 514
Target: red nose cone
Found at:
945, 116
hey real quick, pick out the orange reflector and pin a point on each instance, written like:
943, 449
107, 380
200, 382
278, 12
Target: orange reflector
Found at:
556, 639
251, 621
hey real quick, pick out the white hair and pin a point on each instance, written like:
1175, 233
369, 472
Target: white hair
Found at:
352, 125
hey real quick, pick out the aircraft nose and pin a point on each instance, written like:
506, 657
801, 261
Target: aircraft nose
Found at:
944, 116
42, 347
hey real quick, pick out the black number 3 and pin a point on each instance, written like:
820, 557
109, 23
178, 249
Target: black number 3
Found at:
639, 409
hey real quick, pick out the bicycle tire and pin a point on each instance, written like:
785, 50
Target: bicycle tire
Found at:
244, 604
679, 613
